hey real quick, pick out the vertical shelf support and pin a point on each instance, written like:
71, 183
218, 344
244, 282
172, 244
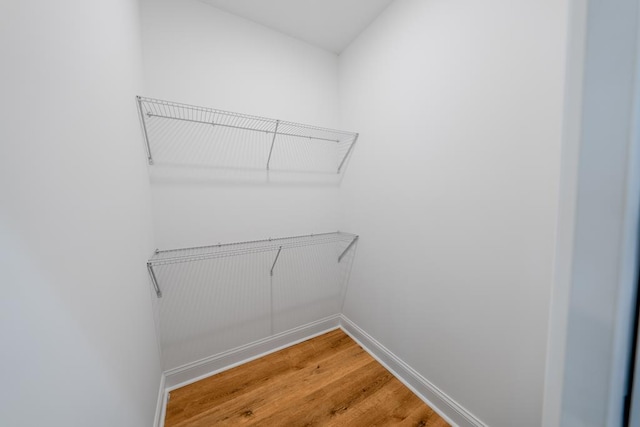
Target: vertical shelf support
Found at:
152, 274
273, 141
355, 239
344, 159
275, 260
144, 130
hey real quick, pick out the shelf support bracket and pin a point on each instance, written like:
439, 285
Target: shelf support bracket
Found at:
355, 239
152, 274
273, 141
275, 260
344, 159
144, 130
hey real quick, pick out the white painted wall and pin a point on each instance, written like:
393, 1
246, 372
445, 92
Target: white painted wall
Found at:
197, 54
78, 343
454, 189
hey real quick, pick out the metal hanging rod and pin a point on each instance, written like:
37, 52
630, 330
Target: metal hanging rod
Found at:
241, 248
156, 117
173, 106
246, 242
274, 132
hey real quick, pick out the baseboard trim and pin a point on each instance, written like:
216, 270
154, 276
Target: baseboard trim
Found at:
158, 420
454, 413
192, 372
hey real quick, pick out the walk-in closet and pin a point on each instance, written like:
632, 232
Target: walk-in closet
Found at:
319, 212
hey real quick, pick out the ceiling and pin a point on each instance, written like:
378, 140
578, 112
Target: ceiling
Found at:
330, 24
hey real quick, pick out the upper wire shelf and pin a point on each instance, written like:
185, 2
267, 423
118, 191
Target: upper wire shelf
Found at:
178, 133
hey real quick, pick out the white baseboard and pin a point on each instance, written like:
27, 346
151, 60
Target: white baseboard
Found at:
161, 406
192, 372
445, 406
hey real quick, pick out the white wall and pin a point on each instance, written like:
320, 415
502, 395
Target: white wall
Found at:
197, 54
453, 188
78, 343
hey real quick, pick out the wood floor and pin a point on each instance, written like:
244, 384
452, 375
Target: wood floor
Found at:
326, 381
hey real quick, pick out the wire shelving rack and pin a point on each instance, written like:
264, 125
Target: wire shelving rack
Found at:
215, 298
177, 133
222, 250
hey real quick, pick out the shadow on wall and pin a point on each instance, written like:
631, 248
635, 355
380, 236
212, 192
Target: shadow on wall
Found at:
174, 174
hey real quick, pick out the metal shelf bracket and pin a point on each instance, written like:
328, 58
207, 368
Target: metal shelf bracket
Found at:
273, 141
144, 130
355, 239
152, 274
275, 260
344, 159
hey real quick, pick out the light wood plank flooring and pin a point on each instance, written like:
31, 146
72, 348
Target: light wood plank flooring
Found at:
325, 381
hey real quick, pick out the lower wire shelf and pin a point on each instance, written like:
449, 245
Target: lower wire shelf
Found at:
215, 298
200, 253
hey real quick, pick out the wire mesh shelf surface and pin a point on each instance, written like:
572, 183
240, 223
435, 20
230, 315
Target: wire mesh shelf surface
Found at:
178, 133
242, 248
